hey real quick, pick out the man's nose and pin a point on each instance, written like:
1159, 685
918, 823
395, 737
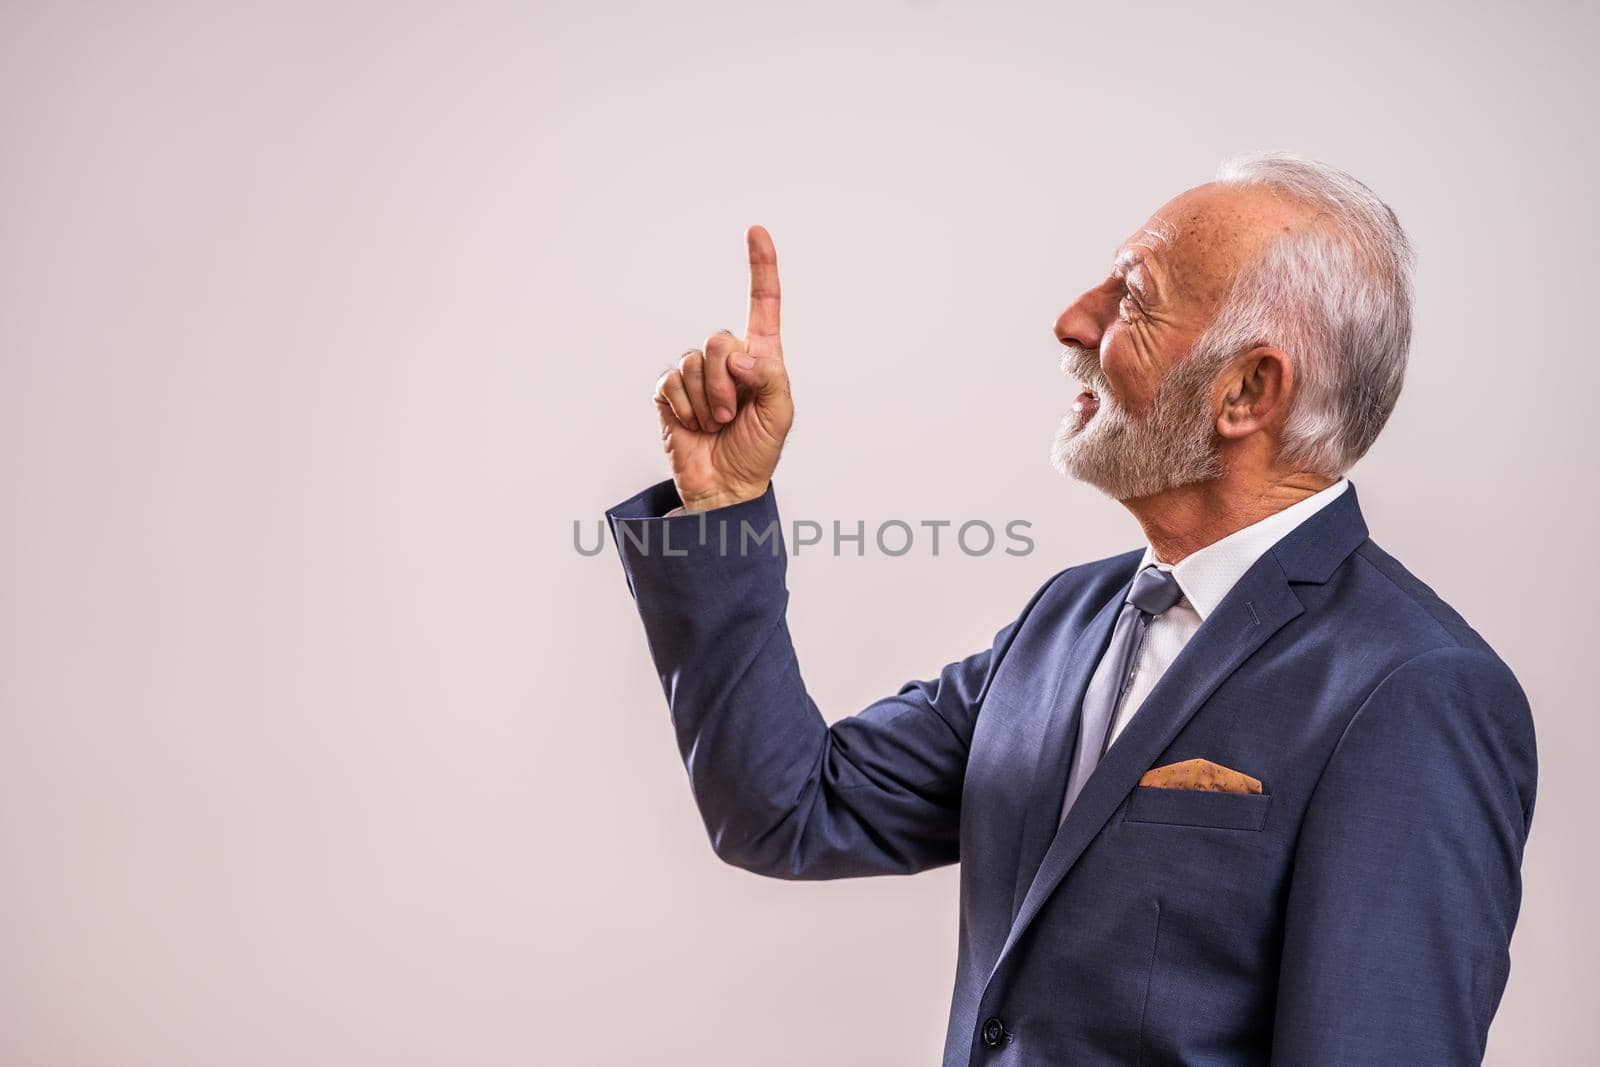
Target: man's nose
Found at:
1085, 321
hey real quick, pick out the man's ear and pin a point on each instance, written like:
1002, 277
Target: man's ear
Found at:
1254, 392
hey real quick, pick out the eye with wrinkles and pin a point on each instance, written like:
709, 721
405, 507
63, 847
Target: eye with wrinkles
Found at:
1136, 281
1132, 284
1129, 306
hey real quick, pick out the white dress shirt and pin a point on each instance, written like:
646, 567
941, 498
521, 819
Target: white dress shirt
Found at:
1205, 578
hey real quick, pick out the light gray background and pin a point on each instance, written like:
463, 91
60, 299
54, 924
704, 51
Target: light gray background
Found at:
320, 324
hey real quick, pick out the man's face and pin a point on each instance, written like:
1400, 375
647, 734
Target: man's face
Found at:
1146, 421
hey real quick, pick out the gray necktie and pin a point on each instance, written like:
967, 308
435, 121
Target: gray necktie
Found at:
1154, 591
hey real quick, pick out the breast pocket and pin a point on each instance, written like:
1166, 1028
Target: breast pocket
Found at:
1198, 807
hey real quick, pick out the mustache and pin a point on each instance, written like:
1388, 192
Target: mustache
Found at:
1083, 365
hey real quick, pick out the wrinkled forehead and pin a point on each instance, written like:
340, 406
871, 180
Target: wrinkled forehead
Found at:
1154, 238
1196, 243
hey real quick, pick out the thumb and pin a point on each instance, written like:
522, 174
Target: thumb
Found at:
762, 375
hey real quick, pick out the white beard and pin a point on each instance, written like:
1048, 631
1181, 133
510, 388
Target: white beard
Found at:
1127, 456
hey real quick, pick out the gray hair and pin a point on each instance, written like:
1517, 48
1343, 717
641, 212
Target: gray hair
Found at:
1335, 296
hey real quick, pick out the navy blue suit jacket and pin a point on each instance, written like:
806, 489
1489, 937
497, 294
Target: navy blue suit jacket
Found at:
1357, 911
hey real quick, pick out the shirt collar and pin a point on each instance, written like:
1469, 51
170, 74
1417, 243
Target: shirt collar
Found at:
1206, 576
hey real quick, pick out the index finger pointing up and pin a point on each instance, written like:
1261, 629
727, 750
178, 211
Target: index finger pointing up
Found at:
764, 294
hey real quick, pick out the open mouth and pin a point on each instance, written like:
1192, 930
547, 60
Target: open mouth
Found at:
1086, 405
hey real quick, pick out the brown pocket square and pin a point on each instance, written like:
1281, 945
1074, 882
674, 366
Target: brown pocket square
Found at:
1200, 774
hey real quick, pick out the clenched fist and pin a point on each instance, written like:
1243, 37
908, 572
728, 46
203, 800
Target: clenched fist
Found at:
726, 409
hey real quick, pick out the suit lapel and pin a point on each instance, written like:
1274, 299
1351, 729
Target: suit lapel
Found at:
1253, 611
1259, 605
1055, 753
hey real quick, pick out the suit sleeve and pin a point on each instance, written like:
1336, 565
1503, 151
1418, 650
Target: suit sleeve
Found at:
781, 792
1406, 881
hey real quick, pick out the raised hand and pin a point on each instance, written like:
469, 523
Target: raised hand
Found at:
725, 409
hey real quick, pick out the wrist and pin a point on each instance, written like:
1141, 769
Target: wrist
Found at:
722, 498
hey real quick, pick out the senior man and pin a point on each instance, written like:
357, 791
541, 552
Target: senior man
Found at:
1249, 793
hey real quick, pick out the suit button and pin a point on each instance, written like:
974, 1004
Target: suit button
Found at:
994, 1032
